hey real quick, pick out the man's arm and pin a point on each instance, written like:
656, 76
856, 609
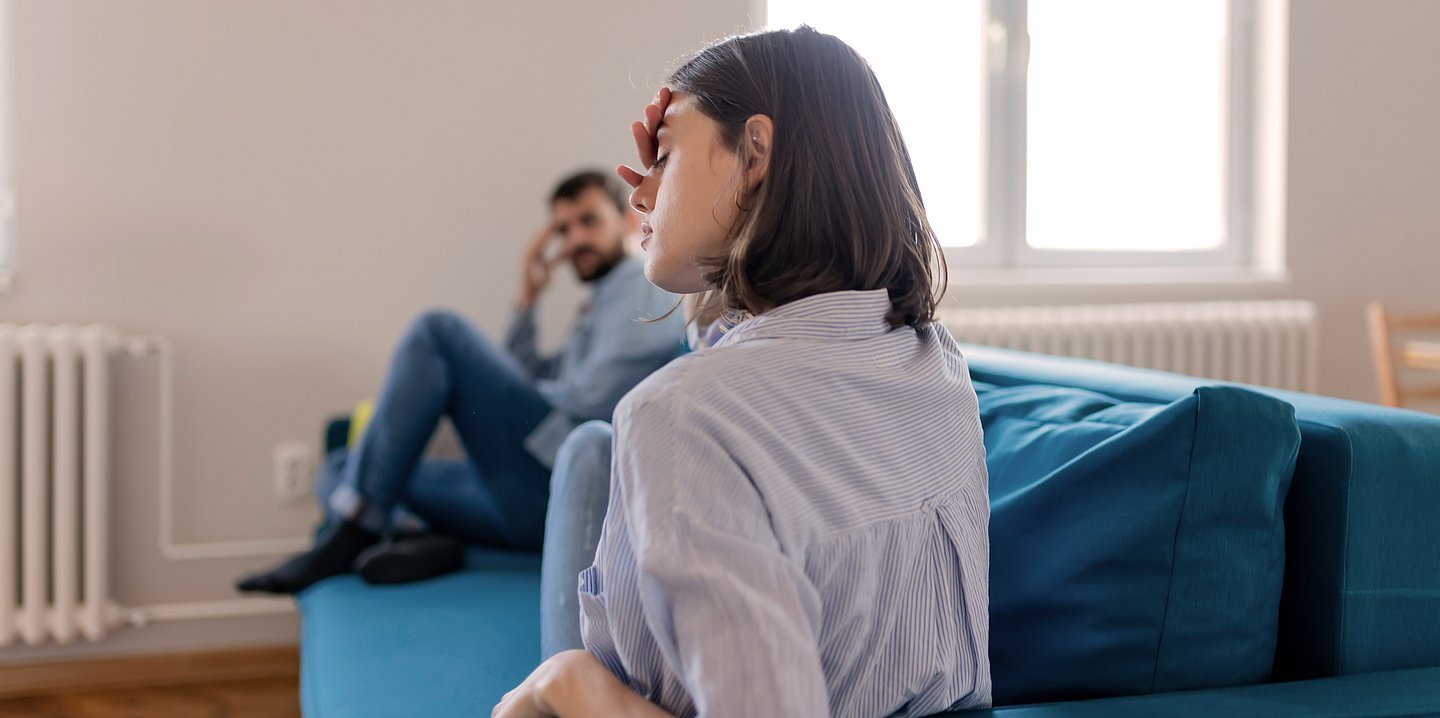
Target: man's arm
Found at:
521, 340
625, 349
521, 336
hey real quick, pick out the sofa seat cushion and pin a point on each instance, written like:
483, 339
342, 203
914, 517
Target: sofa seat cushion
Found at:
1135, 547
444, 648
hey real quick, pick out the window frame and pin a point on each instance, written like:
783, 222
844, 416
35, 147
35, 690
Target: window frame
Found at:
1002, 244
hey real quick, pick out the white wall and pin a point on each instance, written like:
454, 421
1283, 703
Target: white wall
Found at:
1364, 170
279, 186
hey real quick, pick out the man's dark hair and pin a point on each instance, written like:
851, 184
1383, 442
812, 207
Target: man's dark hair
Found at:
571, 187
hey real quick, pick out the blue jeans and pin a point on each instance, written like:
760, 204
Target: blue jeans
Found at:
579, 492
443, 367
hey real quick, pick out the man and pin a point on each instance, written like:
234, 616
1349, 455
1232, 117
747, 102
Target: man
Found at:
511, 409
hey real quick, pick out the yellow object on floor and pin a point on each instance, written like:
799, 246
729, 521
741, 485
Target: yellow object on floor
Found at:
358, 420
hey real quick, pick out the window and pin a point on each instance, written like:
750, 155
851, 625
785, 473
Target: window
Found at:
1056, 133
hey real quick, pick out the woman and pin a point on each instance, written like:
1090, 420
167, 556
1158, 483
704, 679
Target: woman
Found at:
798, 517
579, 493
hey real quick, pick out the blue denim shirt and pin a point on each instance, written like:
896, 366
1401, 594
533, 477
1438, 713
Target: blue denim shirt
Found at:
610, 349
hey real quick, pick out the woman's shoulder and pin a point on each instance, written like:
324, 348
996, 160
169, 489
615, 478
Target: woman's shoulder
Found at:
705, 377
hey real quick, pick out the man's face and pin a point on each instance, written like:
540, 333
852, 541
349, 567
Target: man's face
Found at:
592, 232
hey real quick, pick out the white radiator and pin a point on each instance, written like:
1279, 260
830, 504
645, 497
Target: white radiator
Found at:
1269, 343
54, 483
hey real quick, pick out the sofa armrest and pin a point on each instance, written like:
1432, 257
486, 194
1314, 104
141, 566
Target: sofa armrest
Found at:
1410, 692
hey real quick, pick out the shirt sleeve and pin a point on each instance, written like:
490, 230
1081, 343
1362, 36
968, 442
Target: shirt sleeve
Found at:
522, 343
623, 351
734, 616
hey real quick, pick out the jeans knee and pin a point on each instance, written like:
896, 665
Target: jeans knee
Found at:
431, 323
584, 457
590, 440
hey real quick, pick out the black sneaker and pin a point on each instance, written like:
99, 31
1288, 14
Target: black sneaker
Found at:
410, 557
334, 553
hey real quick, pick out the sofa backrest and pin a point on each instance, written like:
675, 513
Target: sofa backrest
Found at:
1362, 518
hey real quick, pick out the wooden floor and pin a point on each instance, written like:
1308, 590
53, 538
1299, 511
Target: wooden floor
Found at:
264, 698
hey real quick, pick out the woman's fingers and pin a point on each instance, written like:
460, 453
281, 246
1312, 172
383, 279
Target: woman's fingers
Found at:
653, 115
631, 177
662, 101
644, 132
644, 143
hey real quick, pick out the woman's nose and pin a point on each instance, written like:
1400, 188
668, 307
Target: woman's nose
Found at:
640, 197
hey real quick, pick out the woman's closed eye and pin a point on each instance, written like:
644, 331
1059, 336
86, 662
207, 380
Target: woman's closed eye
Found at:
660, 161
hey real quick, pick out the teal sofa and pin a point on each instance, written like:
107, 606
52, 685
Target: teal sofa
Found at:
1348, 610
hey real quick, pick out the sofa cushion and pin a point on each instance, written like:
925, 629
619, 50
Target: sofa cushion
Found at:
1362, 574
1135, 547
444, 648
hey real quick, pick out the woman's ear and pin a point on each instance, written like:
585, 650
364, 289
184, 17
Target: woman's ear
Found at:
758, 139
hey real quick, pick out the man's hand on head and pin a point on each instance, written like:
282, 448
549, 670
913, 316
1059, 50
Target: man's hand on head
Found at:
536, 273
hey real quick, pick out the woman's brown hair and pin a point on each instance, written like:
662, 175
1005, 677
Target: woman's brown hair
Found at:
839, 207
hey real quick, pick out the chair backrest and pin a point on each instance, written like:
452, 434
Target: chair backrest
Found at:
1395, 368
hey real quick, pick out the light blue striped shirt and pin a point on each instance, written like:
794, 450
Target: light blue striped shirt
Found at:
798, 523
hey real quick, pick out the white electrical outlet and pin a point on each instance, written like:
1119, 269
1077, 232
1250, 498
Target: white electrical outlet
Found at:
294, 471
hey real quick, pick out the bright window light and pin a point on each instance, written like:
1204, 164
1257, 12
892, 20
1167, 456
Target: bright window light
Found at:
1125, 137
927, 57
1067, 133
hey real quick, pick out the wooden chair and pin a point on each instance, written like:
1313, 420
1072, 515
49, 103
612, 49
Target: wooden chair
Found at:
1412, 355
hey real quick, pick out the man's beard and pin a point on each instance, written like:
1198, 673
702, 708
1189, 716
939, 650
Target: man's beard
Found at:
603, 264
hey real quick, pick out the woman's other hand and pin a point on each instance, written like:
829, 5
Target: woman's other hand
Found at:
573, 684
528, 699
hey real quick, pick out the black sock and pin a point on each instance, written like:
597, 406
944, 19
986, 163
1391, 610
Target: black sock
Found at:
333, 555
410, 556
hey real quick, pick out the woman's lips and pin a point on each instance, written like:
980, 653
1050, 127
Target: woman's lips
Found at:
645, 232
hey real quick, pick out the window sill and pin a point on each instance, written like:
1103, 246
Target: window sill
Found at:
1247, 278
999, 287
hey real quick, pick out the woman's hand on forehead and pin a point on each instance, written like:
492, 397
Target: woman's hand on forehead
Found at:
647, 145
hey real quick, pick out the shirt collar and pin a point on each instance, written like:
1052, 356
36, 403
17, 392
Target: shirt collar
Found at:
834, 316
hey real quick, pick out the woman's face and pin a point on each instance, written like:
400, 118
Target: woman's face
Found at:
688, 198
